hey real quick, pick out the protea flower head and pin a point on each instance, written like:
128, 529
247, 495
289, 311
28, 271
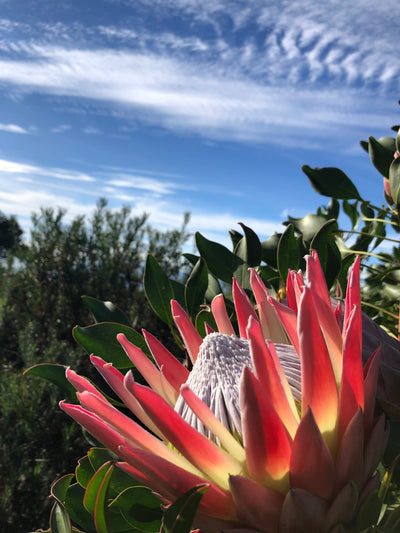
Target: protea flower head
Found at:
283, 433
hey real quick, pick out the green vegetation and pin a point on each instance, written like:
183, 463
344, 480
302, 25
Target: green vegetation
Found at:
41, 287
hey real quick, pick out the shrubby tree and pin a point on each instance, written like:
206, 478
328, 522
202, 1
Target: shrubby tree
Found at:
102, 256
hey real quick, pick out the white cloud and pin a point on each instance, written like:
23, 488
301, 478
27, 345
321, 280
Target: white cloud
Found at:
13, 128
192, 98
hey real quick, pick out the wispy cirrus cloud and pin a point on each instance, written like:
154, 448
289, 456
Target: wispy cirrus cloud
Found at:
14, 128
315, 76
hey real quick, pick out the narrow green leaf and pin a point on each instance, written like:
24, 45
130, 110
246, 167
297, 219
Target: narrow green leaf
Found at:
158, 290
60, 521
288, 253
235, 237
394, 180
351, 211
105, 311
95, 484
100, 514
101, 340
196, 287
332, 182
246, 254
218, 258
180, 515
251, 252
55, 374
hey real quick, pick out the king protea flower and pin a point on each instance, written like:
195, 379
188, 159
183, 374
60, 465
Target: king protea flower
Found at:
283, 434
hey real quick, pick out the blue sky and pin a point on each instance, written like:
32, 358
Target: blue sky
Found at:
180, 105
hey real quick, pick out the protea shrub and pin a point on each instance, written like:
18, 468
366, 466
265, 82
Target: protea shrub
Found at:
279, 421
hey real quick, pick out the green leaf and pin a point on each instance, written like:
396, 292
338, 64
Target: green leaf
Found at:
101, 340
394, 180
235, 237
213, 288
246, 254
99, 456
205, 316
328, 251
351, 211
192, 258
60, 521
308, 226
332, 182
218, 258
140, 509
79, 515
55, 374
381, 153
100, 515
288, 253
249, 247
196, 287
158, 290
179, 291
369, 512
95, 484
269, 250
180, 515
105, 311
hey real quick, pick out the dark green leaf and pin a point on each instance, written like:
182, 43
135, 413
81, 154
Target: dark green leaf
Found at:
269, 250
196, 287
246, 254
99, 456
140, 508
55, 374
364, 145
394, 180
288, 253
369, 512
158, 290
201, 318
218, 258
332, 182
180, 515
192, 258
235, 237
213, 288
101, 340
308, 226
179, 291
381, 153
351, 211
105, 311
249, 247
76, 509
328, 251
